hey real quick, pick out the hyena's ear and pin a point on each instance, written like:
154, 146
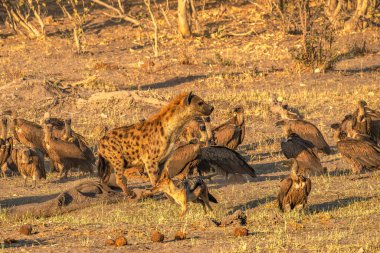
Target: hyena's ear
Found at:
189, 97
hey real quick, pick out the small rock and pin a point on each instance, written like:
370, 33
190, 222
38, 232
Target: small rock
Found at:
157, 237
238, 232
237, 218
26, 229
110, 242
121, 241
180, 236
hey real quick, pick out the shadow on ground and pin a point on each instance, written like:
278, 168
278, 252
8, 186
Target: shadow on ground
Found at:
336, 204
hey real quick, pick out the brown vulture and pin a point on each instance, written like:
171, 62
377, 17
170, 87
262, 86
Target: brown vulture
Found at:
181, 160
191, 130
29, 162
303, 152
360, 153
65, 154
363, 121
231, 134
294, 190
32, 135
6, 144
306, 131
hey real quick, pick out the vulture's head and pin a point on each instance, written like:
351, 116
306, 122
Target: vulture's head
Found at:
239, 115
362, 104
68, 121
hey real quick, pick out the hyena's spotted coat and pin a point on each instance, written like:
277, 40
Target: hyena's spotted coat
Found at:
147, 143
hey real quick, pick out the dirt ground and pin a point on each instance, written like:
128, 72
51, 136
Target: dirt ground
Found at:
117, 81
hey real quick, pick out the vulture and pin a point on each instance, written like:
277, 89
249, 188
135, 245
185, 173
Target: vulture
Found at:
65, 154
31, 134
182, 159
200, 156
29, 162
78, 140
231, 134
285, 112
362, 122
224, 161
191, 130
360, 152
6, 144
294, 190
306, 131
303, 152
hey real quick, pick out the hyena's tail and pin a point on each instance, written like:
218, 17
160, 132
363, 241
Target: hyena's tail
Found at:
103, 169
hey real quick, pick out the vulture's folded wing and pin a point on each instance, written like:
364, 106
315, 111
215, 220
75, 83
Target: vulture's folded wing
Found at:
226, 160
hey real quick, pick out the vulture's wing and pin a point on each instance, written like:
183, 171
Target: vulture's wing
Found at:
224, 133
226, 160
285, 186
294, 145
309, 132
364, 152
180, 157
67, 150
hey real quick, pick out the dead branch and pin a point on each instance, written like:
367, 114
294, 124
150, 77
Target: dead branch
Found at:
155, 47
119, 12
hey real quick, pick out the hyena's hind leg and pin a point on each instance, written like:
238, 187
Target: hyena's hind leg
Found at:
119, 164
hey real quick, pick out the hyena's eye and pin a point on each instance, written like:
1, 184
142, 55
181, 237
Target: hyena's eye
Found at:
200, 103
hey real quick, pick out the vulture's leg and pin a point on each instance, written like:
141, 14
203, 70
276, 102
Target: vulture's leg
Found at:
203, 204
34, 181
299, 207
25, 179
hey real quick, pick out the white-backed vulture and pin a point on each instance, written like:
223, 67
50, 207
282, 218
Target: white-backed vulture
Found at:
283, 110
29, 162
77, 140
31, 134
231, 134
6, 144
180, 161
363, 121
224, 161
294, 190
65, 154
191, 130
303, 152
306, 131
360, 153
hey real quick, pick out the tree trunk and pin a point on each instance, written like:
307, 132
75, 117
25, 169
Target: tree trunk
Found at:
183, 24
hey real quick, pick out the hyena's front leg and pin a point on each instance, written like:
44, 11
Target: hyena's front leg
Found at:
152, 169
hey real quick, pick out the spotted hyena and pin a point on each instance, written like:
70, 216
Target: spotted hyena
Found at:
147, 143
